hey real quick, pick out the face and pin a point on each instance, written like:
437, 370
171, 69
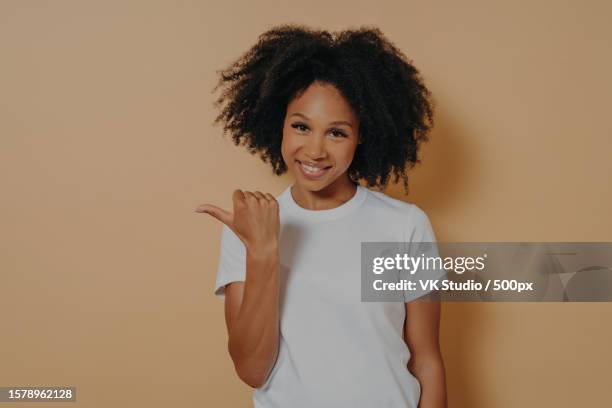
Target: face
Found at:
320, 135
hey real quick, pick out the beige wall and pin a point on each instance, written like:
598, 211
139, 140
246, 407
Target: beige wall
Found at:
107, 146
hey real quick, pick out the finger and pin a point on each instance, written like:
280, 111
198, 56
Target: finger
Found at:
225, 217
238, 196
260, 196
250, 196
269, 196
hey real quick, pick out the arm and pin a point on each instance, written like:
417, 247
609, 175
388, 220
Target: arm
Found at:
252, 318
421, 335
252, 306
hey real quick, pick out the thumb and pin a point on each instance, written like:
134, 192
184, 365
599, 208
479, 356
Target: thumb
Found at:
222, 215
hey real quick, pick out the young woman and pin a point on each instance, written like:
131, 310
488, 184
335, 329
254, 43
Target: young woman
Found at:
333, 110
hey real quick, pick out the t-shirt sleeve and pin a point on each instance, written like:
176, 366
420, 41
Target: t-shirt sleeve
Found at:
232, 261
421, 243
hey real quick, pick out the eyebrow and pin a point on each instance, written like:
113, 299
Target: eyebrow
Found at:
337, 122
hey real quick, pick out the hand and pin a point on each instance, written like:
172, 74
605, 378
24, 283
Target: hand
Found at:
254, 220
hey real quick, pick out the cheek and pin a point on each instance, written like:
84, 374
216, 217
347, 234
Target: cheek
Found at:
344, 156
288, 146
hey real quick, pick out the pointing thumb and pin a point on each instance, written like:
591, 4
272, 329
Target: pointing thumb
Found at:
222, 215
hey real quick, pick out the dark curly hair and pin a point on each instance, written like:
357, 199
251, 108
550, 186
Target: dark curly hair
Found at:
385, 90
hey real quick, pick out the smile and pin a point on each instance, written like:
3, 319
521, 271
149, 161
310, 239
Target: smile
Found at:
313, 172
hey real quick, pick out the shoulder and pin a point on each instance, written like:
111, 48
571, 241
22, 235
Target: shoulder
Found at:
406, 216
230, 241
383, 200
395, 206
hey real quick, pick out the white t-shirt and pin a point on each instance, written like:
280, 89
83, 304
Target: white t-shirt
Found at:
335, 350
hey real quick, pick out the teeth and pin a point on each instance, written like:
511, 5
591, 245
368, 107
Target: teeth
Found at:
312, 169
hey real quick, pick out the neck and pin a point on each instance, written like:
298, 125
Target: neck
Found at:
334, 195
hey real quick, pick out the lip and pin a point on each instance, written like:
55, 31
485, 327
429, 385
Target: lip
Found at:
313, 176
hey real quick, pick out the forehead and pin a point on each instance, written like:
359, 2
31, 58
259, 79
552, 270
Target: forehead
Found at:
322, 102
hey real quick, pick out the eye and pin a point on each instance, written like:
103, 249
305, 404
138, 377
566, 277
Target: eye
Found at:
338, 133
299, 126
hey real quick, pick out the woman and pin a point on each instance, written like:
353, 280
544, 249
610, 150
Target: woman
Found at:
332, 109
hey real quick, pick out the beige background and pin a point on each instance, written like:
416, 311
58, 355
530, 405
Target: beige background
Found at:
107, 145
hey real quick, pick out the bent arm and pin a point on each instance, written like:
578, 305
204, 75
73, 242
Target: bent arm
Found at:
422, 337
252, 317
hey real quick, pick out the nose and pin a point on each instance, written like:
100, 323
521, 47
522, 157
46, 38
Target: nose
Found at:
315, 149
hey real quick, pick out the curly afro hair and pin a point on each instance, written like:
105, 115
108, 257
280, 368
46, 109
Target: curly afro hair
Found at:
385, 90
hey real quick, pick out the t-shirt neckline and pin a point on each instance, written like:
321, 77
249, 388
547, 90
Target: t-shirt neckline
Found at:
328, 214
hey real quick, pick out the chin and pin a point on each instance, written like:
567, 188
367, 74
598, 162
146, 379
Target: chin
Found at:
316, 185
311, 185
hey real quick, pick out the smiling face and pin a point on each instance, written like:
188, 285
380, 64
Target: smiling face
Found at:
320, 135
